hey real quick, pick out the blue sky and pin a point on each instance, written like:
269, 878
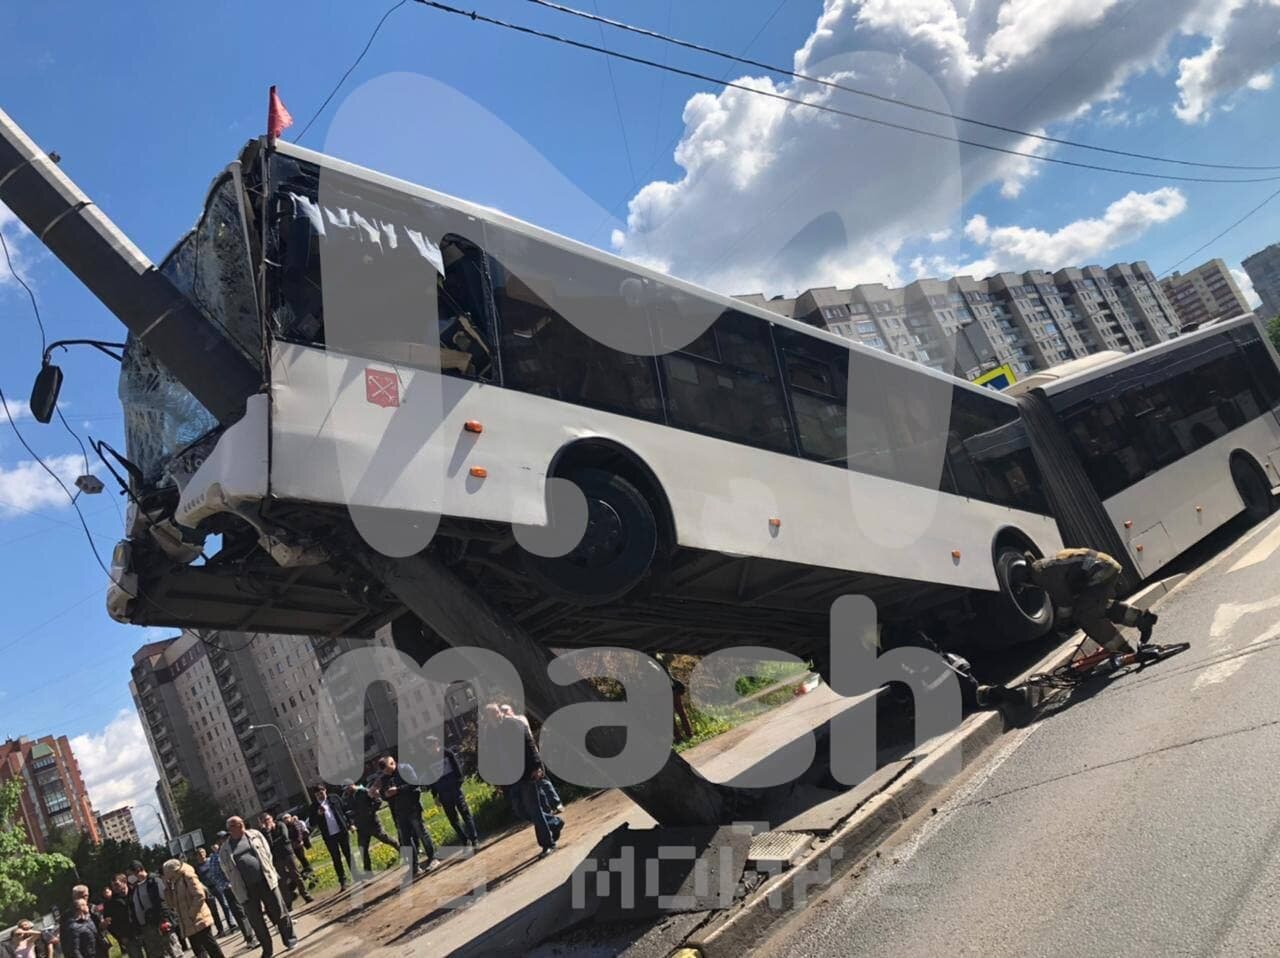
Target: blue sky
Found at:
146, 104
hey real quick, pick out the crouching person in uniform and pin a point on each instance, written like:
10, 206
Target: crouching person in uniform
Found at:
1084, 582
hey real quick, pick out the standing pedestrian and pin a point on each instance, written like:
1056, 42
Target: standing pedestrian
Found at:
283, 857
154, 920
362, 811
447, 788
79, 934
526, 801
188, 901
547, 793
118, 919
300, 835
330, 821
246, 859
219, 889
400, 785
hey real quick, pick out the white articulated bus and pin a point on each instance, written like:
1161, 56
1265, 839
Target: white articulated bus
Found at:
1174, 440
422, 356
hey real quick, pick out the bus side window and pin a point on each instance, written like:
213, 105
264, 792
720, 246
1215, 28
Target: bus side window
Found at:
817, 382
1265, 374
989, 455
919, 410
738, 398
870, 445
544, 353
1105, 439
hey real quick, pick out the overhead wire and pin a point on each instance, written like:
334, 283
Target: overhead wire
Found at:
23, 283
880, 97
355, 63
1233, 226
617, 104
850, 114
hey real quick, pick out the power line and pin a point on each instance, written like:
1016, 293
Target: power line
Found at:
797, 101
617, 104
23, 283
1201, 249
355, 63
919, 107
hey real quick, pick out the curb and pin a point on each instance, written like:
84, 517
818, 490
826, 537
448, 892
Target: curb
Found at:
739, 931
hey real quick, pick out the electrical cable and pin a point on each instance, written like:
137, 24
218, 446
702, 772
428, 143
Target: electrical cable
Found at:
797, 101
23, 283
1201, 249
617, 105
338, 86
918, 107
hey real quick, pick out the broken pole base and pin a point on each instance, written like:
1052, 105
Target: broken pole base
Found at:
676, 795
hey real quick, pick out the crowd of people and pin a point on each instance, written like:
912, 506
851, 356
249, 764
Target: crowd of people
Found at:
248, 881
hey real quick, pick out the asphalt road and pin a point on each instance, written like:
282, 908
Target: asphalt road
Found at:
1140, 818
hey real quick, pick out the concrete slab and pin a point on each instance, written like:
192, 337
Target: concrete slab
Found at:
819, 810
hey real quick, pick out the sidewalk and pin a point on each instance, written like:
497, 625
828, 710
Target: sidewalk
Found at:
466, 896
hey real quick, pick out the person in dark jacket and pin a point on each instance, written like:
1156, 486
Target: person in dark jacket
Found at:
300, 835
362, 811
80, 935
211, 875
399, 784
524, 794
118, 919
1083, 582
285, 860
447, 788
152, 915
329, 820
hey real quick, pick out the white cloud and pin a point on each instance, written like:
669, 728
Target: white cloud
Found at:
1083, 241
774, 196
1246, 286
26, 486
1241, 51
18, 409
118, 770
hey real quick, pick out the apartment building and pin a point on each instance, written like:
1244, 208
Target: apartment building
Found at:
1263, 268
1205, 293
53, 797
118, 825
1030, 320
236, 715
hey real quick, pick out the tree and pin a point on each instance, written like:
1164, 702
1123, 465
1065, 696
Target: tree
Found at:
22, 867
1273, 329
198, 809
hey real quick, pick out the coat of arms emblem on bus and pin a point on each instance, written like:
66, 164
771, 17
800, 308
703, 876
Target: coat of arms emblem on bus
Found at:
381, 387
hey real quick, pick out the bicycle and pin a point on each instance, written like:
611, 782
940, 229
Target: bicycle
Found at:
1097, 664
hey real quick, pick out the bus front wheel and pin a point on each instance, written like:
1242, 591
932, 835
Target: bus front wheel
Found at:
616, 549
1253, 487
1019, 612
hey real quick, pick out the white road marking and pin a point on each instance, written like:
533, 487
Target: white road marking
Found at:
1224, 670
1259, 553
1228, 614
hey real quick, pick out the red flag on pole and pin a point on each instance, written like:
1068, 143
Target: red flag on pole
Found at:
278, 118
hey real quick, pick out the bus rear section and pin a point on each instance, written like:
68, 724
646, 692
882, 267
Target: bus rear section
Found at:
1176, 440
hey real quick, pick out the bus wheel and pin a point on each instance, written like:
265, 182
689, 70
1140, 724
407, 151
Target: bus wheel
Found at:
1019, 612
1253, 488
616, 549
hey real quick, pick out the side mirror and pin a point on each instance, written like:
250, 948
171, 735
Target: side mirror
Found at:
44, 394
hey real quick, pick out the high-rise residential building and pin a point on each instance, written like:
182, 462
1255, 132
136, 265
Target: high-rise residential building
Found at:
1207, 292
53, 796
966, 326
118, 825
1263, 268
236, 716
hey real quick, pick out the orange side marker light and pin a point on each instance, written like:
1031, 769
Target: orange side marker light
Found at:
473, 425
479, 472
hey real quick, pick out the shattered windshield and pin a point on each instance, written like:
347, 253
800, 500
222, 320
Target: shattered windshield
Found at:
212, 266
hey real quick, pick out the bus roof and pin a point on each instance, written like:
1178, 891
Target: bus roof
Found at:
524, 228
1083, 370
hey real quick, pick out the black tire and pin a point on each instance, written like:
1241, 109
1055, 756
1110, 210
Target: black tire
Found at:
616, 551
1253, 487
1017, 613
